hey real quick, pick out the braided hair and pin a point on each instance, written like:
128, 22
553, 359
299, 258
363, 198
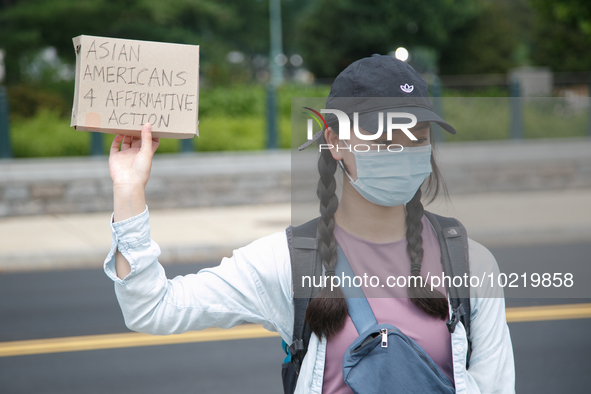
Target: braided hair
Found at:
430, 301
327, 312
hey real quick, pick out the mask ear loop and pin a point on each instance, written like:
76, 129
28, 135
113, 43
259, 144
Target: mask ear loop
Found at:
346, 172
343, 166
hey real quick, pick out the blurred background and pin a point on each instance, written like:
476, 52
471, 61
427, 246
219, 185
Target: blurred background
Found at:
513, 77
462, 47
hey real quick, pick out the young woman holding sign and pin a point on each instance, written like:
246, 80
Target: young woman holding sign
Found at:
378, 223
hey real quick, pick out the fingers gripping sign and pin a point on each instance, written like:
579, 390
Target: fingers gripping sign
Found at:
130, 158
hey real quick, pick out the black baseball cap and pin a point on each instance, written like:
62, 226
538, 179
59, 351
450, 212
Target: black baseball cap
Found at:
380, 84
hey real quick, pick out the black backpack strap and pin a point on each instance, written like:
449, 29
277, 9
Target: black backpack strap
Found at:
305, 261
453, 240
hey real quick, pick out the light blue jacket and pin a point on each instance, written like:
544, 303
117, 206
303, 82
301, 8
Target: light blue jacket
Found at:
254, 285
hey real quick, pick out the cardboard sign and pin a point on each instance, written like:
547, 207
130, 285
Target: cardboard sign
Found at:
122, 84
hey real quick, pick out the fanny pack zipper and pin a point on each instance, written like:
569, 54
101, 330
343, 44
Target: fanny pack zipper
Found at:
384, 333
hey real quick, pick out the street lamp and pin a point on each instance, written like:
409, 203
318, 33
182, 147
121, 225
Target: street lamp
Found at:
276, 62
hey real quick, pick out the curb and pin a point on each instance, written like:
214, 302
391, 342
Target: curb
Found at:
41, 261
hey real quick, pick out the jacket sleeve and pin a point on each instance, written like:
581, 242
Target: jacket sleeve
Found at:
254, 285
492, 366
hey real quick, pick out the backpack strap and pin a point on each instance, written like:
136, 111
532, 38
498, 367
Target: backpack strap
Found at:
359, 309
305, 261
453, 240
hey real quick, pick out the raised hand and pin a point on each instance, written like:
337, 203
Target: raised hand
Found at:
129, 166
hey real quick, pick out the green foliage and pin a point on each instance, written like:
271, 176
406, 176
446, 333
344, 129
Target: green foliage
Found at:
219, 26
575, 12
492, 91
229, 119
240, 100
489, 43
556, 117
475, 118
562, 34
488, 118
460, 36
286, 93
335, 33
47, 134
231, 133
26, 100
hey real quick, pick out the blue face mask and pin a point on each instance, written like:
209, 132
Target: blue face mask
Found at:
391, 178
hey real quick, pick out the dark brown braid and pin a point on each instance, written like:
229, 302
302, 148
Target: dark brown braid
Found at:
432, 302
327, 312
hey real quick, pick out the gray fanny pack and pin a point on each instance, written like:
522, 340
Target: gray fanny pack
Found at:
383, 359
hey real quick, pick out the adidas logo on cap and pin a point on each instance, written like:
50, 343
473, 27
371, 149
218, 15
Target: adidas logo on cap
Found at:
406, 88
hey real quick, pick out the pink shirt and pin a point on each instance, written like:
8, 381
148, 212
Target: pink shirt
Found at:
383, 260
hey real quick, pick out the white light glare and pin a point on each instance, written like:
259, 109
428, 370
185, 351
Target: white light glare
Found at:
296, 60
280, 60
401, 54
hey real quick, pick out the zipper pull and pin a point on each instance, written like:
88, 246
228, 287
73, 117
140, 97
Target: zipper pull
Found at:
384, 332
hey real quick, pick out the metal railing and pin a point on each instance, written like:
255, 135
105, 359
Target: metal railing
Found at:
5, 146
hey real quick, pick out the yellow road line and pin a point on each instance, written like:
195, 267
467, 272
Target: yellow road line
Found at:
245, 331
549, 312
131, 339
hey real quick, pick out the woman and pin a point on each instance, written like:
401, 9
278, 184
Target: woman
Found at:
378, 223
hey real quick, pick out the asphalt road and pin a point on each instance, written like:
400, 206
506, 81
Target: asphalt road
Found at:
551, 356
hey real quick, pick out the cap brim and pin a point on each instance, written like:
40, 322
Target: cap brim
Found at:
370, 121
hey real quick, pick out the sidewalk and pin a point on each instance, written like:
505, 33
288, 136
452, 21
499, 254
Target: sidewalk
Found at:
200, 234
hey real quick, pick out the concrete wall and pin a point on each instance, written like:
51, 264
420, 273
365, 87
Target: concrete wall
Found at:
516, 165
68, 185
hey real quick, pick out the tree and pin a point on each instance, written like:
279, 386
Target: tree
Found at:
490, 42
30, 25
334, 33
562, 34
219, 26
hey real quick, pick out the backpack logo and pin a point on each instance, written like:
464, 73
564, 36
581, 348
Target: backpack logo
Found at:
406, 88
452, 231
